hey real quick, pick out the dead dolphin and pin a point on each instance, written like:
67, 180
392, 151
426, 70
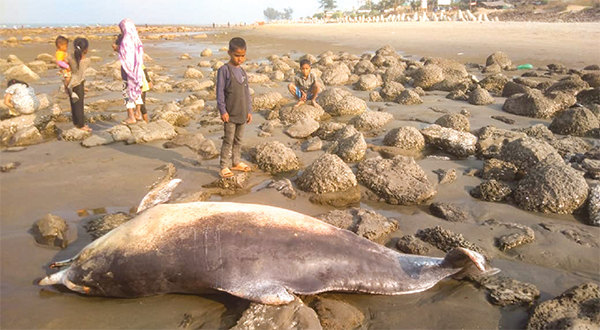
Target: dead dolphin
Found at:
260, 253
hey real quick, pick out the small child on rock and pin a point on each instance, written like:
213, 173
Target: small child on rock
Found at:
306, 85
62, 43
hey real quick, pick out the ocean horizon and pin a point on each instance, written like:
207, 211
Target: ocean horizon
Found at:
78, 25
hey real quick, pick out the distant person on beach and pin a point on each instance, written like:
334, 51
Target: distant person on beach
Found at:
20, 98
62, 43
131, 55
77, 83
146, 85
235, 106
306, 85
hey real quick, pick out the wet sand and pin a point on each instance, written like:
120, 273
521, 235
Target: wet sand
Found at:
61, 177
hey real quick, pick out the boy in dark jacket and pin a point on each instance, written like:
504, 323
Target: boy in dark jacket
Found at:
234, 104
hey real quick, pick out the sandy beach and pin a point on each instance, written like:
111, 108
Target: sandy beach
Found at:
538, 43
81, 184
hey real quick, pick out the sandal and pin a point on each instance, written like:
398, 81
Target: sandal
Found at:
242, 167
125, 122
226, 173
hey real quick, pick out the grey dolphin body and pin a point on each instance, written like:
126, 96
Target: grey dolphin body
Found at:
260, 253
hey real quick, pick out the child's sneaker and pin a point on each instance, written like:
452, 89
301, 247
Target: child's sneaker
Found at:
74, 97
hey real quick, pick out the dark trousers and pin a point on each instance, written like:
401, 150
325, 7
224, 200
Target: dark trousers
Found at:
232, 144
77, 107
143, 107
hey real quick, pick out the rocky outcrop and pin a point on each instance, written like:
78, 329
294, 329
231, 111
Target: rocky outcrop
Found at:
367, 82
266, 101
480, 96
570, 85
363, 67
173, 114
351, 149
391, 90
338, 102
274, 157
409, 97
494, 83
75, 134
527, 152
576, 121
51, 230
336, 74
21, 72
491, 140
575, 308
328, 173
26, 136
450, 212
371, 120
455, 121
303, 128
427, 76
291, 115
495, 169
204, 147
158, 130
551, 188
511, 88
446, 240
398, 181
337, 314
504, 291
535, 104
192, 73
407, 138
295, 315
491, 191
594, 206
460, 144
501, 59
366, 223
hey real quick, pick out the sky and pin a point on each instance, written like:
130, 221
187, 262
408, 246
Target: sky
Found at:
199, 12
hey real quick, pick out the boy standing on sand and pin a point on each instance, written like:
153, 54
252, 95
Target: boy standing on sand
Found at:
234, 104
305, 86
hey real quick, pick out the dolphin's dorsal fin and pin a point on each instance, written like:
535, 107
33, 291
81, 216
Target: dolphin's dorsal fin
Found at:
160, 194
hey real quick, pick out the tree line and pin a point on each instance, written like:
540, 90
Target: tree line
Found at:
330, 5
273, 14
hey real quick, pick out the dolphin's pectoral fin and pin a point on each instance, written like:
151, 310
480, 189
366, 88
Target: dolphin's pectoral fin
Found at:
264, 293
159, 194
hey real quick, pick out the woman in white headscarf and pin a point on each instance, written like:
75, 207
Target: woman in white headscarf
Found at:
131, 55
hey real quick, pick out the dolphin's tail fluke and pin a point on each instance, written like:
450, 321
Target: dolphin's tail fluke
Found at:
470, 263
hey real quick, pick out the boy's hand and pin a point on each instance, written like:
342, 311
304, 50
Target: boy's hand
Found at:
225, 117
249, 119
150, 84
303, 97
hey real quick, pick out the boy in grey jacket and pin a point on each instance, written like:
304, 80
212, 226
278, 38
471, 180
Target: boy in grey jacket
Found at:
234, 104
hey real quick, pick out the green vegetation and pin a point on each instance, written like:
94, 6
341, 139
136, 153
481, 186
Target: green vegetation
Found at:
273, 14
327, 4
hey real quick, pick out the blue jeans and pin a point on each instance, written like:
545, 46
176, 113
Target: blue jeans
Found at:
309, 95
